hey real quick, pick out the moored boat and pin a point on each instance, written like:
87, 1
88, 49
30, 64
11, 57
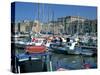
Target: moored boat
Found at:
74, 49
31, 62
35, 49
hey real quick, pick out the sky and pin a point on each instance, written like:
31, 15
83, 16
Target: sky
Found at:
29, 11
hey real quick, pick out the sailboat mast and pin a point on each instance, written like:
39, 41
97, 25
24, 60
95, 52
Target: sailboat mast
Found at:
53, 21
48, 20
78, 25
42, 12
38, 11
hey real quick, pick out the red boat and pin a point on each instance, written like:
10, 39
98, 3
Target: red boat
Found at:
35, 49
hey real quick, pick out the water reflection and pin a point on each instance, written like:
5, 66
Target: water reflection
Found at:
72, 61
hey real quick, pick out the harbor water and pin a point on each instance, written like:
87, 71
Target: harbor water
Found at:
72, 62
69, 62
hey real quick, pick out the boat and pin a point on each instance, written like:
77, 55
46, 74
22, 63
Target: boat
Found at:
33, 62
41, 41
37, 41
89, 50
65, 49
35, 49
34, 42
22, 44
59, 50
73, 48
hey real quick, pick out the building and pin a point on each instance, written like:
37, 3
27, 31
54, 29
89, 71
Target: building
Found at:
90, 26
36, 28
64, 25
24, 26
55, 27
71, 24
74, 25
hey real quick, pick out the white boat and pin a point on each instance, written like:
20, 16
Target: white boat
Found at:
38, 41
73, 48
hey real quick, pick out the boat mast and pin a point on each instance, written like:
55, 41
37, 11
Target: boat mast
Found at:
78, 25
38, 11
42, 19
53, 22
48, 20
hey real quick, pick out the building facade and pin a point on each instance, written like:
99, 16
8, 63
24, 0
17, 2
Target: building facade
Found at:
75, 24
64, 25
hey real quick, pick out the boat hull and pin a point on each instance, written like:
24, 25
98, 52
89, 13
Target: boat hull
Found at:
75, 51
35, 49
